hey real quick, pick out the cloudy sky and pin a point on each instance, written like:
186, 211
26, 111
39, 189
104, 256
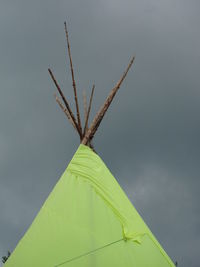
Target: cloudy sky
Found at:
149, 138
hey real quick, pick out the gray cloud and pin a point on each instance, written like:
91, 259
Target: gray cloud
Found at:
149, 138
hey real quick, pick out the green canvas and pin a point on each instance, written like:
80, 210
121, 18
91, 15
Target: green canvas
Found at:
87, 220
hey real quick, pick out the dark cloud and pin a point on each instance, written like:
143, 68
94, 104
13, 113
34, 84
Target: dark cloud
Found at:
149, 138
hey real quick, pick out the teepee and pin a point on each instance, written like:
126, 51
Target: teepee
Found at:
87, 220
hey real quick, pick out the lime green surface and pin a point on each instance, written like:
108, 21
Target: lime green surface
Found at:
86, 221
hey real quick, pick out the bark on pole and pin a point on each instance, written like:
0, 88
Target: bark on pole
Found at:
100, 114
85, 105
64, 109
73, 80
88, 111
65, 101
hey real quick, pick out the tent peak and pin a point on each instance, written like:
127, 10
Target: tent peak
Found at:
86, 133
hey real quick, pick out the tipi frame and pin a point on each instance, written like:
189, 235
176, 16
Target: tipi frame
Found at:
86, 133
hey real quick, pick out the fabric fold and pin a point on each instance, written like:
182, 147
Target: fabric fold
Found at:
90, 166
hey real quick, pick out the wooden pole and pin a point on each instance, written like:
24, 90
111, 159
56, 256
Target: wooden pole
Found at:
88, 111
100, 114
85, 106
66, 103
73, 80
64, 109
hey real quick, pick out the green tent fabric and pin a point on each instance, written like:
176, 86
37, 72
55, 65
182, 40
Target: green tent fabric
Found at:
87, 220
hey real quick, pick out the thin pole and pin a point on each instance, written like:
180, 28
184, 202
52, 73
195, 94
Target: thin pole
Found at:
85, 106
100, 114
66, 103
88, 111
64, 109
73, 80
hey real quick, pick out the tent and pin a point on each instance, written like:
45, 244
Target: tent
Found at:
87, 220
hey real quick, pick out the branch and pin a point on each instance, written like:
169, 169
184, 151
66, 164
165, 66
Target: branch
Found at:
88, 112
99, 116
86, 115
85, 106
73, 80
66, 103
64, 109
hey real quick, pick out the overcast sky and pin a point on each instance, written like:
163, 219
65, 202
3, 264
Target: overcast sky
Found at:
150, 136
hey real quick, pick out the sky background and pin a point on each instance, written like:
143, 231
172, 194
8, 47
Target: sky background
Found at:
150, 136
